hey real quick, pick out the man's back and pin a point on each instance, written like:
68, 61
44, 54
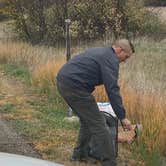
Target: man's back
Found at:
87, 70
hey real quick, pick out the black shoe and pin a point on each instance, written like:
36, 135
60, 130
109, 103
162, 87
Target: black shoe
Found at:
82, 156
108, 163
77, 156
77, 159
84, 159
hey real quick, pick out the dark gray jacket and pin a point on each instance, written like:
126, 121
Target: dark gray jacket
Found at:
94, 67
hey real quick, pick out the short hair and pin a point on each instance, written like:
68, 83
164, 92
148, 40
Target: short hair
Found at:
125, 44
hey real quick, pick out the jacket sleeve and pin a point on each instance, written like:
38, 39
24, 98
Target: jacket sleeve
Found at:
110, 71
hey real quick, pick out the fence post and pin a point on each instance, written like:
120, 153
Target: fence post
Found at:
68, 54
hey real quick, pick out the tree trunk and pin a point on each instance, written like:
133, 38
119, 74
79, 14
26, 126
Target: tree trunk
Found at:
42, 22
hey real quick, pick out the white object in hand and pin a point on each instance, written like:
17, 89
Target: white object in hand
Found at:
106, 107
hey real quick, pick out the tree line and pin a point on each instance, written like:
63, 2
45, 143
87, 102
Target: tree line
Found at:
155, 2
41, 21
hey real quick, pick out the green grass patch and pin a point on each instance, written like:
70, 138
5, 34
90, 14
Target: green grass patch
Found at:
7, 108
28, 129
18, 71
48, 117
53, 115
150, 158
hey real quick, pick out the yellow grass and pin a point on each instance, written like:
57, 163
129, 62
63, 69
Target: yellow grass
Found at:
142, 107
100, 94
45, 73
20, 53
147, 110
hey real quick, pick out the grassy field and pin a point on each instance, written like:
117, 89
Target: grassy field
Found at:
142, 82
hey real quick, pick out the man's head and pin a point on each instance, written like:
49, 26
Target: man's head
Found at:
123, 49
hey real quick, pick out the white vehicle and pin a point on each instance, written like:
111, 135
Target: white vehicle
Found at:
7, 159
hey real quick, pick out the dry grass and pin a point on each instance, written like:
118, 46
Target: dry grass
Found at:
20, 53
45, 73
149, 111
146, 109
142, 84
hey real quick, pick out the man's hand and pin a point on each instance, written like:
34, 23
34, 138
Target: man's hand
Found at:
126, 124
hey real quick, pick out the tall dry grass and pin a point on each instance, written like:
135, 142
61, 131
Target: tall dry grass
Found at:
148, 110
143, 91
44, 74
20, 53
142, 82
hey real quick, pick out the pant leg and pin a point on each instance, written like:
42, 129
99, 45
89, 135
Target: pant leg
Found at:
84, 137
82, 147
112, 123
85, 106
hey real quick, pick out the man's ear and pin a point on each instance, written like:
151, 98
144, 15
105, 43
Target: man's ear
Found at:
119, 49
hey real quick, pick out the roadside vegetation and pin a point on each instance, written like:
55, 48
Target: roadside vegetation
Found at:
43, 21
142, 84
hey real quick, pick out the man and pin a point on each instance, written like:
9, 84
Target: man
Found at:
76, 81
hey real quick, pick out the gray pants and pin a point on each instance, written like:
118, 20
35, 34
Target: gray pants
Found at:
92, 124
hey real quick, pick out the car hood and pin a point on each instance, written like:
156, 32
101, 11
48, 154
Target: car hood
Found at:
7, 159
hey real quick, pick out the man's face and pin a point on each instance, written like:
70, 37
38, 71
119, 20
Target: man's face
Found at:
123, 54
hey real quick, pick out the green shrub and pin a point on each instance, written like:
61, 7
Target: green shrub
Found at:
155, 2
44, 21
142, 21
16, 71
